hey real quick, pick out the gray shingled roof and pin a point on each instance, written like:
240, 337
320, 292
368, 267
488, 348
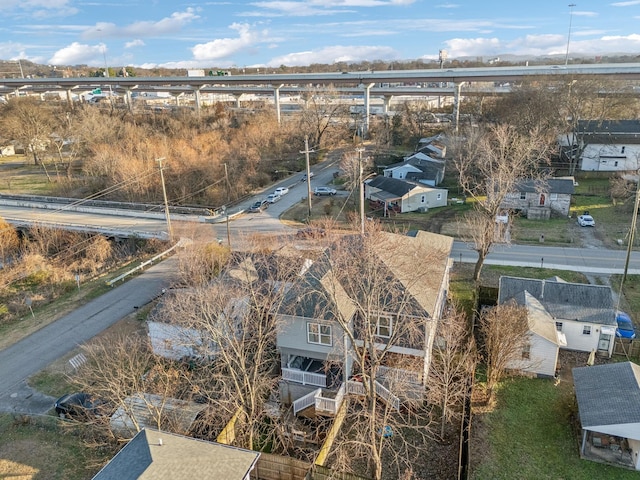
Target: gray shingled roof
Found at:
551, 185
569, 301
394, 186
609, 126
608, 394
155, 455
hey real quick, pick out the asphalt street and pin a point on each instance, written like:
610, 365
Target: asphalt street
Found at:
33, 353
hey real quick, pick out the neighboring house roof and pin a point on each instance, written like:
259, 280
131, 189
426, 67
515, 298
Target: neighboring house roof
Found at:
550, 185
428, 172
396, 187
156, 455
539, 320
609, 398
144, 410
568, 301
417, 160
609, 126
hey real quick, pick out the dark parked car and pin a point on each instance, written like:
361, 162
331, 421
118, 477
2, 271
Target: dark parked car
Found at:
259, 206
78, 405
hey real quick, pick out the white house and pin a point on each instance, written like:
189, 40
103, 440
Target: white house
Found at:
604, 146
540, 352
609, 404
402, 196
584, 313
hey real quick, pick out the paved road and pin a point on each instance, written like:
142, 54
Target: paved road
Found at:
39, 349
587, 260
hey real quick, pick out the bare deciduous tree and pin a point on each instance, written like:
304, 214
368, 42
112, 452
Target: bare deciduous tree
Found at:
26, 121
452, 365
504, 334
490, 164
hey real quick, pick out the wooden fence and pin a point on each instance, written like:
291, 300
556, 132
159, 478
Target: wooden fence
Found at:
325, 473
630, 348
275, 467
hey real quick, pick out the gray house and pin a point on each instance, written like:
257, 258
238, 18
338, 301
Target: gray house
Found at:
609, 404
584, 313
538, 199
317, 355
154, 455
400, 196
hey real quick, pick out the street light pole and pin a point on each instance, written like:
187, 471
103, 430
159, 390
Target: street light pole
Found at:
566, 57
361, 189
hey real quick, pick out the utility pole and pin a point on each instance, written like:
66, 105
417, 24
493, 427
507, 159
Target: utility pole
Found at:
361, 189
164, 194
226, 210
306, 153
632, 234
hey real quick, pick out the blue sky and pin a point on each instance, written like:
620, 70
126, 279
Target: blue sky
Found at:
269, 33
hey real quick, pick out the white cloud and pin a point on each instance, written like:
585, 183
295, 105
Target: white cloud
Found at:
78, 53
222, 48
38, 8
172, 24
336, 53
318, 7
626, 4
135, 43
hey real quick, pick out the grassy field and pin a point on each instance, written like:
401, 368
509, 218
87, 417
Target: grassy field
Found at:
529, 436
61, 451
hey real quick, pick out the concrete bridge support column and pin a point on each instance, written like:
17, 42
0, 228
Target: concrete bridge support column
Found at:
365, 127
456, 104
198, 100
276, 99
386, 103
237, 99
69, 98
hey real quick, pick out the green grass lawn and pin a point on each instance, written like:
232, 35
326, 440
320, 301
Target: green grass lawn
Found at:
529, 436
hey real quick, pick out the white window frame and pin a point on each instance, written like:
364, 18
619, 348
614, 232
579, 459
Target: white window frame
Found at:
559, 326
526, 351
439, 196
317, 332
386, 329
553, 197
523, 195
586, 329
423, 198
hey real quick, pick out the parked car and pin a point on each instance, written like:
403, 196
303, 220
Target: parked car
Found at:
304, 177
273, 198
79, 405
281, 191
259, 206
319, 191
625, 326
586, 221
311, 233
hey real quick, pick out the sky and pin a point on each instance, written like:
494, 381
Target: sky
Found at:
269, 33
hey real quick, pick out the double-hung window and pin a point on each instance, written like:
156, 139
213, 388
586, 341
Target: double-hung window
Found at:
319, 334
586, 329
384, 326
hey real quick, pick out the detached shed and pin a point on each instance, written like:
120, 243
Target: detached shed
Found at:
144, 410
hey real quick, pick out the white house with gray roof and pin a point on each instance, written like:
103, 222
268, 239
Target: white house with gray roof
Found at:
419, 167
584, 313
402, 196
539, 355
609, 404
539, 198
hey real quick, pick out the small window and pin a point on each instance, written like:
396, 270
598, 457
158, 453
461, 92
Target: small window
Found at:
439, 196
526, 351
622, 150
559, 326
384, 326
523, 195
615, 164
423, 198
553, 197
400, 174
319, 334
586, 330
